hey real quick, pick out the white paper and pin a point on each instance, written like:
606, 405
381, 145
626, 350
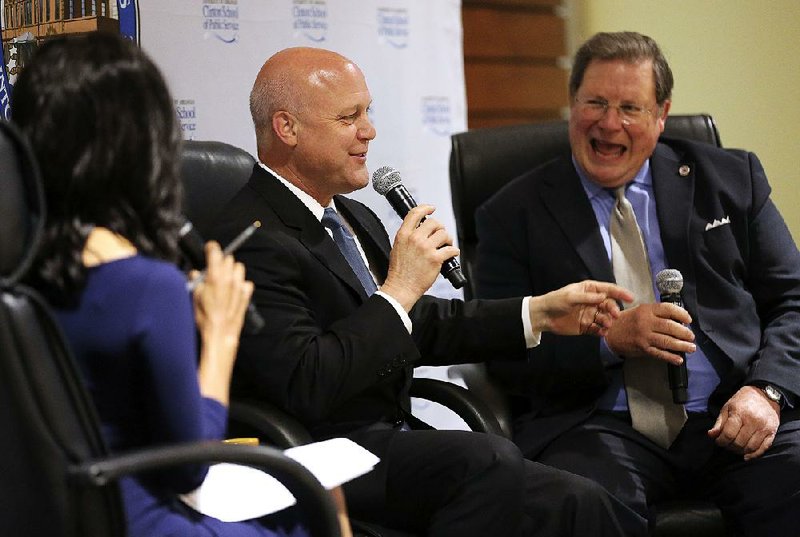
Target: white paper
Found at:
232, 493
335, 461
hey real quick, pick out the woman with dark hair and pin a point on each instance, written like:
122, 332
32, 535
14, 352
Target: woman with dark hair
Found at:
102, 125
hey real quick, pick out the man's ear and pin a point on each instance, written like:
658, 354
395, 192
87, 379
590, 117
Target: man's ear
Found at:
664, 112
285, 126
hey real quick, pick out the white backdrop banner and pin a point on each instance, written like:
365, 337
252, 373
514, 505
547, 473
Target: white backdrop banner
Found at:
410, 52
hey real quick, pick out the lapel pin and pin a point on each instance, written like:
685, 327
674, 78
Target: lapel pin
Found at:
684, 170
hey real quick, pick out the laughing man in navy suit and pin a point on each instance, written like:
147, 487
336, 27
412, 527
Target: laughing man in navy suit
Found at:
702, 210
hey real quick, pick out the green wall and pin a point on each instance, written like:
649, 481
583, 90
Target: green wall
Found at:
735, 59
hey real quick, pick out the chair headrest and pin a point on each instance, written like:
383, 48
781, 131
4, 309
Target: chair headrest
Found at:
212, 173
483, 160
21, 205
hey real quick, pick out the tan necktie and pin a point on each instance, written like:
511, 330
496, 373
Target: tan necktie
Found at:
649, 398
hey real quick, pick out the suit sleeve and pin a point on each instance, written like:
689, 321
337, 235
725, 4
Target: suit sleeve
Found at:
319, 349
454, 331
773, 279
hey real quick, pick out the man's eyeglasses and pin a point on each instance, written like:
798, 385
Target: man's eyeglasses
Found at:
629, 114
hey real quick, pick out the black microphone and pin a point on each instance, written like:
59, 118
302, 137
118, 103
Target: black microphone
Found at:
386, 182
670, 283
192, 247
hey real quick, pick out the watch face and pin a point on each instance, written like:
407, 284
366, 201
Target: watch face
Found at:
772, 393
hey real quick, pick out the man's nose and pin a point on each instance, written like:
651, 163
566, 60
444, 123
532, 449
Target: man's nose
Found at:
612, 118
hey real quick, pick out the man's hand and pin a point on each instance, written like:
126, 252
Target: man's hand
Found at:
586, 307
747, 423
417, 256
652, 330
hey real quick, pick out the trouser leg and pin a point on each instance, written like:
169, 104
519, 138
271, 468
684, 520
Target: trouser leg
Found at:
761, 496
444, 484
559, 503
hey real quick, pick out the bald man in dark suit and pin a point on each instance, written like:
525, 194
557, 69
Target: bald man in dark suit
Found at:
338, 353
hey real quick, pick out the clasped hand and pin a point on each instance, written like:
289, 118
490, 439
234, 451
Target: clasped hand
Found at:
583, 308
655, 330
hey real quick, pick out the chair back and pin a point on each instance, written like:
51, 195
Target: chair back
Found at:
47, 423
483, 160
212, 173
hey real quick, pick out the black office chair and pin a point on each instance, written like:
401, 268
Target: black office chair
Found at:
57, 476
481, 162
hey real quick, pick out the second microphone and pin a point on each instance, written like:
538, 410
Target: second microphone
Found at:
670, 284
386, 182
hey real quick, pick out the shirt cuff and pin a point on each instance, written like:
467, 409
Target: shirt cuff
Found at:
399, 309
532, 339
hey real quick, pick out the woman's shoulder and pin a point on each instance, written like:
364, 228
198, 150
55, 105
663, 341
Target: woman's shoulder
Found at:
140, 270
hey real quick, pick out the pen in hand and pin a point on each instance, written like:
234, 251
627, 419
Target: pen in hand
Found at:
229, 249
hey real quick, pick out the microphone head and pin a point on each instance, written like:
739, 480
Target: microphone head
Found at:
384, 179
669, 282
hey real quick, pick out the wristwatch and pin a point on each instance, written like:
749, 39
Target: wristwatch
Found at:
773, 393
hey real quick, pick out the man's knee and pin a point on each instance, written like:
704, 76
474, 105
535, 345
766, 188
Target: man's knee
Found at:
496, 451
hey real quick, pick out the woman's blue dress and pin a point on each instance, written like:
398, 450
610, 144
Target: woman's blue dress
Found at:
133, 336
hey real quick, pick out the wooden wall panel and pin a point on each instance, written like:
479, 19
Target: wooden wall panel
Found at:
512, 35
512, 61
510, 87
530, 4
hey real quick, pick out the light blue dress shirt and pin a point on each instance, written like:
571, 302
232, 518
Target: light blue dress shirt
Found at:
705, 363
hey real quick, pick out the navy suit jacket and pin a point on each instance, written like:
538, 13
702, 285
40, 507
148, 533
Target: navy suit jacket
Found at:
333, 357
741, 275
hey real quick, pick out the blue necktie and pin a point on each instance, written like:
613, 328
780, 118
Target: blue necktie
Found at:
347, 244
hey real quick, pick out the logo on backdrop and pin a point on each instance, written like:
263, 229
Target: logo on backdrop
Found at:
437, 115
187, 116
5, 83
393, 26
127, 12
221, 20
310, 19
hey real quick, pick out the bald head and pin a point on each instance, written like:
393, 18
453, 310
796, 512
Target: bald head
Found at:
289, 81
310, 108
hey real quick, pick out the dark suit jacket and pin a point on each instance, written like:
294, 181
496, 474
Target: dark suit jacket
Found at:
741, 279
330, 355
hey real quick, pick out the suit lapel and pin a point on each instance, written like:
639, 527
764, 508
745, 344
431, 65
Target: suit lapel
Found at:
566, 200
308, 230
673, 185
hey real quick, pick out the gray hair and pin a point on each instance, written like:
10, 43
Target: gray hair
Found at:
627, 46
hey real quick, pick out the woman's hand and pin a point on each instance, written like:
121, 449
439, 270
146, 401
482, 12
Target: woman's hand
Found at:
220, 302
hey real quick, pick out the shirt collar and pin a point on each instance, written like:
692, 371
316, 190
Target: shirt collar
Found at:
643, 178
313, 205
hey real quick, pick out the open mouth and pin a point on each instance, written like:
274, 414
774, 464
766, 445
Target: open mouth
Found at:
607, 149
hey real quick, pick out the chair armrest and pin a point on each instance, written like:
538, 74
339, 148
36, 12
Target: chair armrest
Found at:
267, 422
477, 415
314, 499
